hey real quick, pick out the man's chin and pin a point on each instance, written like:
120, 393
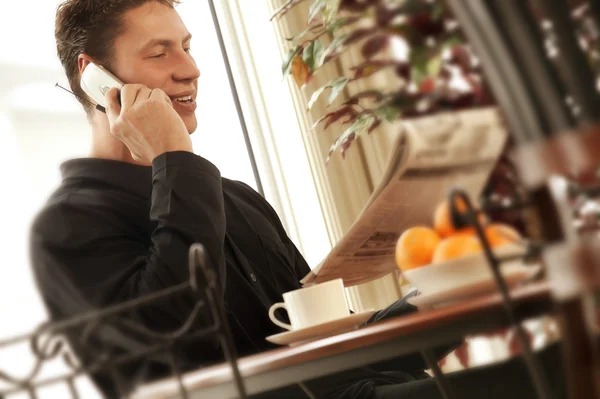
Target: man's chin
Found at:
191, 123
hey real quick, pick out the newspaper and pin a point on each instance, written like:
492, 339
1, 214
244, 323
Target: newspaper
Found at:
431, 156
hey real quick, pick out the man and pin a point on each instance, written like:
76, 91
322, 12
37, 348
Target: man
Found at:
121, 223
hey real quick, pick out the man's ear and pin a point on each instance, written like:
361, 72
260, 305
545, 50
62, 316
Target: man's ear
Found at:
83, 61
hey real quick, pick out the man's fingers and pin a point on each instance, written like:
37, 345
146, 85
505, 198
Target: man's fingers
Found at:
113, 109
129, 95
159, 94
143, 94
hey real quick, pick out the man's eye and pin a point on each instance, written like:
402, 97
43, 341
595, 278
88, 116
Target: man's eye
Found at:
188, 50
159, 55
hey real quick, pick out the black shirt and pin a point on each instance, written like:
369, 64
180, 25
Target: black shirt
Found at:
115, 231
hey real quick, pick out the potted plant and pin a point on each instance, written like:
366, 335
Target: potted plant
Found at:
436, 72
436, 69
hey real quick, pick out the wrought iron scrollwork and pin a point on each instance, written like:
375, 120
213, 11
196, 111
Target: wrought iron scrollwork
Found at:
92, 333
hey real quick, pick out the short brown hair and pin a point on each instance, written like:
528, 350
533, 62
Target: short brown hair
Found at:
91, 27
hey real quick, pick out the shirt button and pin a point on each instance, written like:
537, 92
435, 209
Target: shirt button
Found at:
253, 277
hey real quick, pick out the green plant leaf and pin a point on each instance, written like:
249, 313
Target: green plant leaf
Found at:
308, 55
336, 89
315, 8
387, 113
452, 41
339, 23
299, 35
419, 55
286, 68
417, 74
335, 84
439, 8
434, 65
335, 44
315, 96
331, 10
312, 54
361, 126
318, 54
418, 62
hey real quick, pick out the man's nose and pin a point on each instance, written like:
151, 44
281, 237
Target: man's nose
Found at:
186, 69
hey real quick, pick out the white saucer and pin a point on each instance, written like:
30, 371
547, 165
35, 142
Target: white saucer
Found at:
513, 275
324, 330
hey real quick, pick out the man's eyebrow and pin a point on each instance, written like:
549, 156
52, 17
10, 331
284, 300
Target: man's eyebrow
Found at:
165, 42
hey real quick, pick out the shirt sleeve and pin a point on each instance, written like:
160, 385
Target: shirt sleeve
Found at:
187, 206
301, 267
83, 258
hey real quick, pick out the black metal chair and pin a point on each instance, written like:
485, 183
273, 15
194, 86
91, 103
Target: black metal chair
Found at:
110, 345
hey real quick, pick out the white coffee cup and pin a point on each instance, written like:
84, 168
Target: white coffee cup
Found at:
313, 305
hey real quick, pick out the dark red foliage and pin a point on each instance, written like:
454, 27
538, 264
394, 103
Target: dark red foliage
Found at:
346, 143
370, 67
374, 45
374, 126
384, 16
403, 71
426, 25
461, 58
336, 115
367, 94
359, 34
356, 5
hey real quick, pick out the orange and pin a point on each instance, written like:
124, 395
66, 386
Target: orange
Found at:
455, 247
415, 247
499, 234
442, 220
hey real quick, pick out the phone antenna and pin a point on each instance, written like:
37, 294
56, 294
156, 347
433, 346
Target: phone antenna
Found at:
97, 106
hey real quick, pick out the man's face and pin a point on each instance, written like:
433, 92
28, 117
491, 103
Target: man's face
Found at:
154, 51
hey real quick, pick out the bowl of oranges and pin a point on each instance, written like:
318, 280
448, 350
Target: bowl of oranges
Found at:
442, 259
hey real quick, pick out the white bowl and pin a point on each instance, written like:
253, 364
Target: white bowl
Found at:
469, 271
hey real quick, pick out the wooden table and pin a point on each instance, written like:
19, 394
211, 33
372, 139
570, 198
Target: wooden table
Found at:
382, 341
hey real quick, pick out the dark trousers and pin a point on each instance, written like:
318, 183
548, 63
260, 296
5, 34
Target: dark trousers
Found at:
506, 380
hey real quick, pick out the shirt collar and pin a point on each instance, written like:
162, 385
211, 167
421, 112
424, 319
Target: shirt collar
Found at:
126, 176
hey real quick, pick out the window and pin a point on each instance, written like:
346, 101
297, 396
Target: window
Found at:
41, 126
277, 137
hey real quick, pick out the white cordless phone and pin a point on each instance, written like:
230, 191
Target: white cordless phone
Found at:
96, 81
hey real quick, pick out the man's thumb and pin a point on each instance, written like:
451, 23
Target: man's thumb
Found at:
113, 105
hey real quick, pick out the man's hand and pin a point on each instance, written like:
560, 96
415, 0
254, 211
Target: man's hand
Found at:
146, 122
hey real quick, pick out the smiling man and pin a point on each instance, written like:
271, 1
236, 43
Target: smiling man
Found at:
120, 225
122, 221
